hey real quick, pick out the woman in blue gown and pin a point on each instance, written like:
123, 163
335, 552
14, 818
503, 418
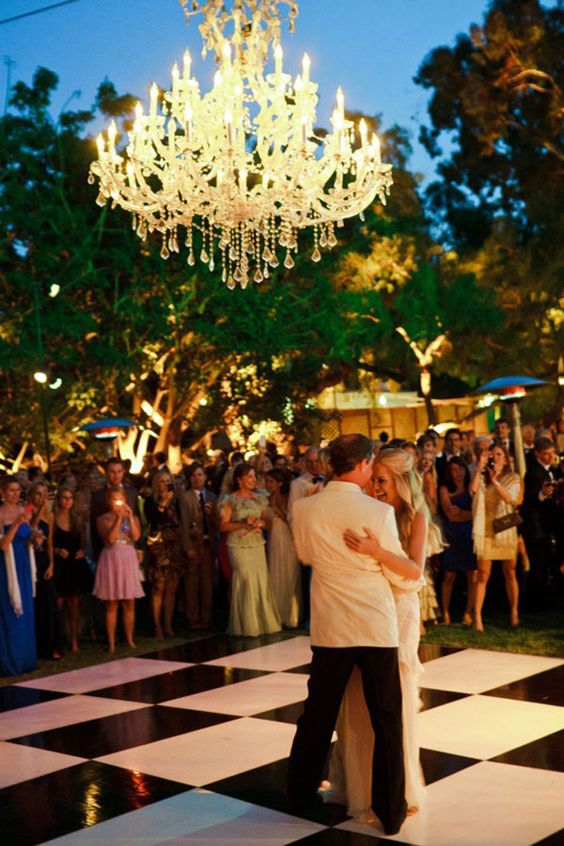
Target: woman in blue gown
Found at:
17, 618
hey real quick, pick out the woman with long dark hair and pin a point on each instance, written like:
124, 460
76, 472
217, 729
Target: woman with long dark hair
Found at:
497, 491
458, 557
71, 570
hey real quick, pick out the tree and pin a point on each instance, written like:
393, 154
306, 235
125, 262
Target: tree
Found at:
497, 97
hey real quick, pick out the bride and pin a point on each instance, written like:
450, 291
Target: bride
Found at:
395, 483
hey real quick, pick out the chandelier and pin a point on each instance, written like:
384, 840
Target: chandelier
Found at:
242, 164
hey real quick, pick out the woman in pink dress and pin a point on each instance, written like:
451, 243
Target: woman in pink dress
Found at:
117, 576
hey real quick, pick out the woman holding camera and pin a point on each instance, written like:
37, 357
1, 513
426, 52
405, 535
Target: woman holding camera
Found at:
496, 490
117, 576
165, 556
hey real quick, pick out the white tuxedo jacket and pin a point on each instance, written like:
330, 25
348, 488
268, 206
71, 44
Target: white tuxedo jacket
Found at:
351, 597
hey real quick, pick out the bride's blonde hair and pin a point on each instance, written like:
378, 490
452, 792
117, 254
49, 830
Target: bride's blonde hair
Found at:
409, 486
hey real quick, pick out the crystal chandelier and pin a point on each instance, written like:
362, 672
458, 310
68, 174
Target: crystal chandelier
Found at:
241, 164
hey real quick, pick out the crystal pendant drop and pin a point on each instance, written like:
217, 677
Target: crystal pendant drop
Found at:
244, 281
316, 255
332, 241
266, 272
230, 283
91, 179
100, 199
323, 239
211, 264
258, 276
204, 257
274, 261
237, 276
164, 252
289, 262
191, 260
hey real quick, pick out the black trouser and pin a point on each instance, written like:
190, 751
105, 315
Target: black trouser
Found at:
330, 672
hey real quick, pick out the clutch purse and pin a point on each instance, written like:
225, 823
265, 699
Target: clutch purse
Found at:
152, 539
501, 524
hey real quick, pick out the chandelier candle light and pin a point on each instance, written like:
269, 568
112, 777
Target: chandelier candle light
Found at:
241, 164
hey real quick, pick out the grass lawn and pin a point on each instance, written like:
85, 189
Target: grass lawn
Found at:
540, 633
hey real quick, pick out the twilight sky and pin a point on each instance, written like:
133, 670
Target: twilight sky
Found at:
372, 48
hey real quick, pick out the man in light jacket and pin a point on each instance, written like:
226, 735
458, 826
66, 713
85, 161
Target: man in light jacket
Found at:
353, 622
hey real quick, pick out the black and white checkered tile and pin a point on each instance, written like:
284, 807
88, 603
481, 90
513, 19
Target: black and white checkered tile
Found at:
187, 746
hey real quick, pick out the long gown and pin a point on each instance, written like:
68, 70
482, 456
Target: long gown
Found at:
48, 633
285, 572
253, 606
17, 632
350, 767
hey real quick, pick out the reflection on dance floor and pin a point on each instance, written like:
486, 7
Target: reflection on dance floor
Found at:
188, 745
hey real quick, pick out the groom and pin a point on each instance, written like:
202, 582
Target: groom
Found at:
353, 621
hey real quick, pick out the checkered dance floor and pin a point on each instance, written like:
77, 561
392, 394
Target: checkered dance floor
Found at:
186, 746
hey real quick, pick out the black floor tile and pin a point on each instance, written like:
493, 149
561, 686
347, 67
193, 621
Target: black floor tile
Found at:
305, 668
216, 646
438, 765
338, 837
266, 786
104, 736
556, 839
431, 698
12, 697
179, 683
285, 714
430, 651
546, 687
547, 753
41, 809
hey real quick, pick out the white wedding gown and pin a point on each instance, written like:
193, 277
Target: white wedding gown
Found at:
350, 767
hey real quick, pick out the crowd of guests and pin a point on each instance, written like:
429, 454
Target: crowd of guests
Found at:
215, 542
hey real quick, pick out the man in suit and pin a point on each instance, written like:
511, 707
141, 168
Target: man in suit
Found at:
502, 436
199, 522
539, 514
353, 621
115, 473
451, 448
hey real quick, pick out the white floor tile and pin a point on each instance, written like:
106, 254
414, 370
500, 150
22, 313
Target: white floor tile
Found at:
20, 763
60, 712
485, 726
202, 757
195, 818
485, 805
478, 670
105, 675
278, 656
244, 699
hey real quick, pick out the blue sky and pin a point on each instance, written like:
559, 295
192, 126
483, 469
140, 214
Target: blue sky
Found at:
372, 48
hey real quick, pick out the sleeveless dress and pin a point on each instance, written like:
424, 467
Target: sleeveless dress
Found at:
459, 554
165, 556
285, 572
350, 767
70, 573
48, 633
17, 631
253, 606
117, 574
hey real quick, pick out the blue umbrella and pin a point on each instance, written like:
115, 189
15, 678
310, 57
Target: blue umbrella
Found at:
107, 423
505, 382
